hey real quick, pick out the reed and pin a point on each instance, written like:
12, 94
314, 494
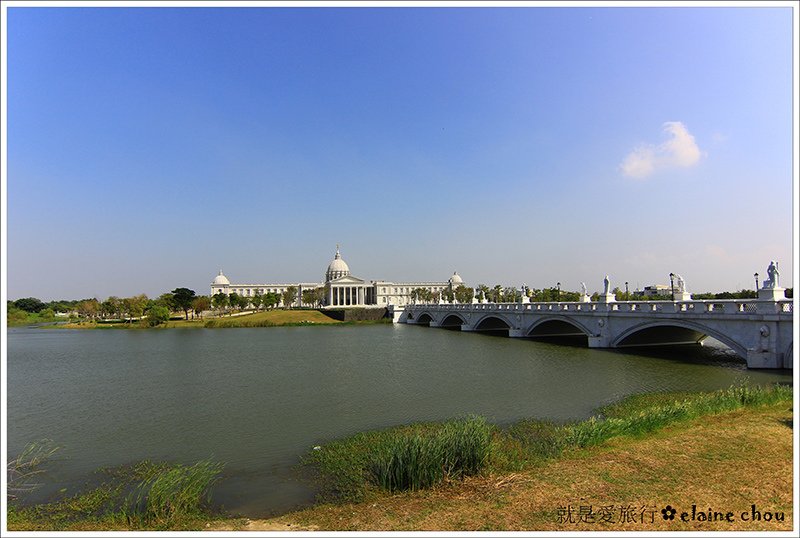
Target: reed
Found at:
173, 494
420, 460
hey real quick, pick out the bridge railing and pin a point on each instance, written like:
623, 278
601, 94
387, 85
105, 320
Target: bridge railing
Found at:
711, 306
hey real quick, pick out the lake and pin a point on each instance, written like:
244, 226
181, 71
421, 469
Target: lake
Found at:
258, 399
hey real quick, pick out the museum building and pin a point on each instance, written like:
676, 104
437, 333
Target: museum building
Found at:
342, 288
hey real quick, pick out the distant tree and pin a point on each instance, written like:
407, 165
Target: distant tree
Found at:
157, 315
46, 314
319, 295
29, 304
166, 300
256, 301
135, 306
88, 308
510, 295
271, 299
308, 296
495, 294
464, 294
289, 296
790, 293
448, 294
233, 300
200, 304
220, 301
182, 299
482, 288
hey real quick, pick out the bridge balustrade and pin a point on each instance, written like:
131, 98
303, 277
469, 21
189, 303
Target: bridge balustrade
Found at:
715, 307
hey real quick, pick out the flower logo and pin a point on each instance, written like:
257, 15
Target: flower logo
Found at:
669, 512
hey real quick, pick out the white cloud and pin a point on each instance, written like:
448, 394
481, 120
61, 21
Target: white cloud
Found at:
679, 151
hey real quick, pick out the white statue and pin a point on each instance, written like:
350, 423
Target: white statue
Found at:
606, 285
681, 283
773, 274
583, 288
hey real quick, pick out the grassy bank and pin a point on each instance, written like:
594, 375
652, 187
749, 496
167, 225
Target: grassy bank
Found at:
347, 468
146, 496
726, 449
270, 318
273, 318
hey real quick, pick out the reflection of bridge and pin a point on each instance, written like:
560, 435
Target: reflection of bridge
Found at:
759, 331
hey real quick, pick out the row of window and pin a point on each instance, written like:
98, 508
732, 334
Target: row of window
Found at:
408, 290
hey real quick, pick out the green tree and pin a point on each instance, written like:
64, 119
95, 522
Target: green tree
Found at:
200, 304
29, 304
271, 299
157, 315
88, 308
220, 301
464, 294
482, 288
289, 296
182, 299
135, 306
308, 297
233, 300
166, 300
256, 301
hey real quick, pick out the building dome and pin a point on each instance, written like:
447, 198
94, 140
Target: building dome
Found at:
455, 280
337, 268
221, 280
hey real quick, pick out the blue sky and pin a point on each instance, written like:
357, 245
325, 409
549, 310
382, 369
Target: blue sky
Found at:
150, 147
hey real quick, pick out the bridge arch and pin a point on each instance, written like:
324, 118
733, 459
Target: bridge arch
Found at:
493, 323
703, 330
558, 326
424, 318
452, 321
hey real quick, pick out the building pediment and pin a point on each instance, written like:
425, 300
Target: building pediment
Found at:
348, 279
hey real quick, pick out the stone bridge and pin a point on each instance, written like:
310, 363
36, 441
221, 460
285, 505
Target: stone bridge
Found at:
760, 331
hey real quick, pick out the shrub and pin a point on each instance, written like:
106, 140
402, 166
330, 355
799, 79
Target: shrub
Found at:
157, 315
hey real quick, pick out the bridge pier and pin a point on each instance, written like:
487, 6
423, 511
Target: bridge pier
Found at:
516, 333
599, 341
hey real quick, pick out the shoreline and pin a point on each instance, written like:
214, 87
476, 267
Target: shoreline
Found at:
269, 318
714, 433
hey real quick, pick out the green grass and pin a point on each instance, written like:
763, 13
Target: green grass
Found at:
422, 455
151, 496
418, 460
172, 495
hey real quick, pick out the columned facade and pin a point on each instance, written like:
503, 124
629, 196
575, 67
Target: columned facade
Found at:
340, 289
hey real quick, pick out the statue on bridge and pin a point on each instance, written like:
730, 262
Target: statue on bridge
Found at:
681, 283
773, 274
606, 285
583, 288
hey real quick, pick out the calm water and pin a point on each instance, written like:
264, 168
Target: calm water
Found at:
258, 399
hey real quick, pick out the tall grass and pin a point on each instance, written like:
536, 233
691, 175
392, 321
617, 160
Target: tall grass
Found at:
176, 493
404, 458
420, 460
421, 455
630, 421
22, 471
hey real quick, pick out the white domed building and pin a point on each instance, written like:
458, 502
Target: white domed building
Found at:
342, 289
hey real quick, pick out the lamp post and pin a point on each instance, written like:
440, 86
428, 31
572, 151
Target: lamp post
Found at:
558, 293
755, 275
627, 297
672, 285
